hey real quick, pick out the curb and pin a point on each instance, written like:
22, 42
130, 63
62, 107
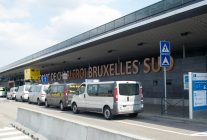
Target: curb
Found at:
202, 121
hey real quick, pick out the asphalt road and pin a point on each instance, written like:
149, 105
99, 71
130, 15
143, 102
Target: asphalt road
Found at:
151, 127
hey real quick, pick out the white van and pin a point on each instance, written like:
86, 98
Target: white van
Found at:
110, 98
22, 93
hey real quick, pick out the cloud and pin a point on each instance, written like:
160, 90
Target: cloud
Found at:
81, 19
20, 38
6, 13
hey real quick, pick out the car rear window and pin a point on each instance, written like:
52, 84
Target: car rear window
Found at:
129, 89
16, 89
27, 87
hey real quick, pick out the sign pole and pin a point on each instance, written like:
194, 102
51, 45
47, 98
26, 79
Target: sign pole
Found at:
165, 77
190, 96
165, 62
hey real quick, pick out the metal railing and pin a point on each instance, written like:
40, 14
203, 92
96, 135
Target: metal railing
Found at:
137, 16
175, 107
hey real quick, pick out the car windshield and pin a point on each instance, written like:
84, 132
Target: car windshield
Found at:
73, 88
46, 88
2, 89
129, 89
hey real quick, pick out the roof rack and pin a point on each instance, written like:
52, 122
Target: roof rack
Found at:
91, 80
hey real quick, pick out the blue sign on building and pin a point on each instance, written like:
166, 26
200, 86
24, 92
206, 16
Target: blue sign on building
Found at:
164, 53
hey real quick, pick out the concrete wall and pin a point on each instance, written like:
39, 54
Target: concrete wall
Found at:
56, 128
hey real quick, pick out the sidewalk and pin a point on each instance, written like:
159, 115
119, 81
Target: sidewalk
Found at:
174, 113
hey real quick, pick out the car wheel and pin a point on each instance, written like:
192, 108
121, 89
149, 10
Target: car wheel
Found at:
107, 113
133, 115
46, 103
29, 101
75, 108
22, 99
62, 108
38, 102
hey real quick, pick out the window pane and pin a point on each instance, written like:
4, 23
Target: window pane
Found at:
60, 88
92, 90
105, 90
2, 89
129, 89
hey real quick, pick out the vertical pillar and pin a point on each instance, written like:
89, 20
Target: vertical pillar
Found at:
184, 54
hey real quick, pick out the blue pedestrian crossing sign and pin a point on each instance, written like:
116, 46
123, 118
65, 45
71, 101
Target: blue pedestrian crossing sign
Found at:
164, 53
164, 47
165, 60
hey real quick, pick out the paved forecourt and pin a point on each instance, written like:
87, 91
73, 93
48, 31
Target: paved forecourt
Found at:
143, 126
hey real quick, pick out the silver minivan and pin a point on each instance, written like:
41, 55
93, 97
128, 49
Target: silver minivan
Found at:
37, 94
110, 98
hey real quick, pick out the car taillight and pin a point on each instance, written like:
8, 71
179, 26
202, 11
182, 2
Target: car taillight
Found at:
141, 93
66, 91
115, 95
42, 95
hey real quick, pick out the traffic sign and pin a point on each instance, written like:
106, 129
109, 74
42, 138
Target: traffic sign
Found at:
165, 60
44, 79
164, 47
164, 53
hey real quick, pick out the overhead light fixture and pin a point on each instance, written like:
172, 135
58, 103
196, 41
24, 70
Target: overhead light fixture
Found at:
110, 51
140, 44
79, 58
185, 33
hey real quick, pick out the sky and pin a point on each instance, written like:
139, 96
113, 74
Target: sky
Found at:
28, 26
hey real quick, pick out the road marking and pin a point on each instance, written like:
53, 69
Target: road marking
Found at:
202, 134
16, 138
10, 133
7, 129
154, 128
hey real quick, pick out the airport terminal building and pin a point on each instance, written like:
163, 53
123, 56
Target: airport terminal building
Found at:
128, 48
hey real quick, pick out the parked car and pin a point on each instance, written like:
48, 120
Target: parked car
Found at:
3, 92
12, 93
60, 95
37, 94
109, 98
22, 93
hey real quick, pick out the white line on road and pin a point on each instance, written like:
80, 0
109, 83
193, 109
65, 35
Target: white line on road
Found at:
202, 134
154, 128
7, 129
17, 138
10, 133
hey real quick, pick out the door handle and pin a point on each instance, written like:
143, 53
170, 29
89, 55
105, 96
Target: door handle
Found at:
84, 96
